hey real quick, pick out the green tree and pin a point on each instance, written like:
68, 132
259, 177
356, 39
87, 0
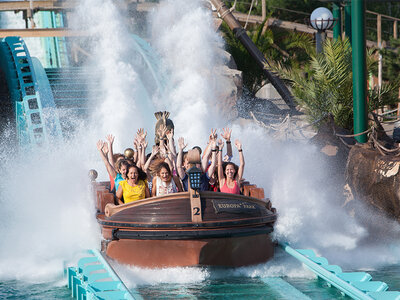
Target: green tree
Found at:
327, 88
290, 49
391, 61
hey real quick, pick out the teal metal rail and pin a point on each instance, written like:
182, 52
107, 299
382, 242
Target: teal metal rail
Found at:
94, 278
152, 61
357, 285
29, 93
55, 47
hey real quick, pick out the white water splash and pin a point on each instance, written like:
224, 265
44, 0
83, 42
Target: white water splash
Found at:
120, 103
47, 212
183, 34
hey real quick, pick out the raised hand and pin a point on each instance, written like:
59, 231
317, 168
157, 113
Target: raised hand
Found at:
141, 134
226, 133
155, 150
161, 131
181, 143
238, 144
105, 148
170, 134
213, 144
144, 144
220, 144
213, 135
136, 143
100, 145
110, 138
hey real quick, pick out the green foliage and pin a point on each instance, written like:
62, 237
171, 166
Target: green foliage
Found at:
327, 88
391, 61
289, 48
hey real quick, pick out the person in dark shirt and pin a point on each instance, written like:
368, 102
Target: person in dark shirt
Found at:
183, 165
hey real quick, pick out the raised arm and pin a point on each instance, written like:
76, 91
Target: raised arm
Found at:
238, 145
226, 134
110, 169
143, 153
138, 148
171, 142
206, 155
220, 169
110, 139
179, 167
141, 146
154, 152
211, 169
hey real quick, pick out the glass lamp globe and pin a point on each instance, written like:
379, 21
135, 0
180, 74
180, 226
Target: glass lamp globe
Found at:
321, 18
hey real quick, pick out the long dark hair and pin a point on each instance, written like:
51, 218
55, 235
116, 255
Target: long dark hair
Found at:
142, 175
224, 165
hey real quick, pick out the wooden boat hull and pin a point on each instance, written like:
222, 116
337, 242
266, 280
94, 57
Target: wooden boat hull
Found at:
232, 252
159, 232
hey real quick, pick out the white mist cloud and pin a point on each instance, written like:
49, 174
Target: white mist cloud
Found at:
184, 36
47, 211
120, 104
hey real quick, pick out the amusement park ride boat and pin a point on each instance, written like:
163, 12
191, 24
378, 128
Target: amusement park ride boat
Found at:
188, 228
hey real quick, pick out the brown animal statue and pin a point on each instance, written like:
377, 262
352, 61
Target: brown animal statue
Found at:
162, 119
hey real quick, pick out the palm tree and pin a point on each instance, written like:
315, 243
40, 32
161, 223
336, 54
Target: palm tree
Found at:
325, 86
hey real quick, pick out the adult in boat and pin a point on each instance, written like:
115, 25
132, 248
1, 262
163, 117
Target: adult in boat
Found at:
183, 166
229, 174
165, 183
134, 187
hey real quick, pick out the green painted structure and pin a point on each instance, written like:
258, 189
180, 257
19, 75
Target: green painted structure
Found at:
347, 19
359, 70
337, 15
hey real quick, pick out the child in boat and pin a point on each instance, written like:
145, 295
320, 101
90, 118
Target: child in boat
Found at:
134, 187
117, 172
207, 157
122, 167
164, 182
229, 174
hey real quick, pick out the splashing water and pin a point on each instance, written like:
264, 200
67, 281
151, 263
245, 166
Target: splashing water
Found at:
120, 104
183, 34
47, 213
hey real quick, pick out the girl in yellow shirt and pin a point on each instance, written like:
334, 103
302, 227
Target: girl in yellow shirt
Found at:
134, 187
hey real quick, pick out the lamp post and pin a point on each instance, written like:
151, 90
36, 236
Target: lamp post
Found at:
321, 19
